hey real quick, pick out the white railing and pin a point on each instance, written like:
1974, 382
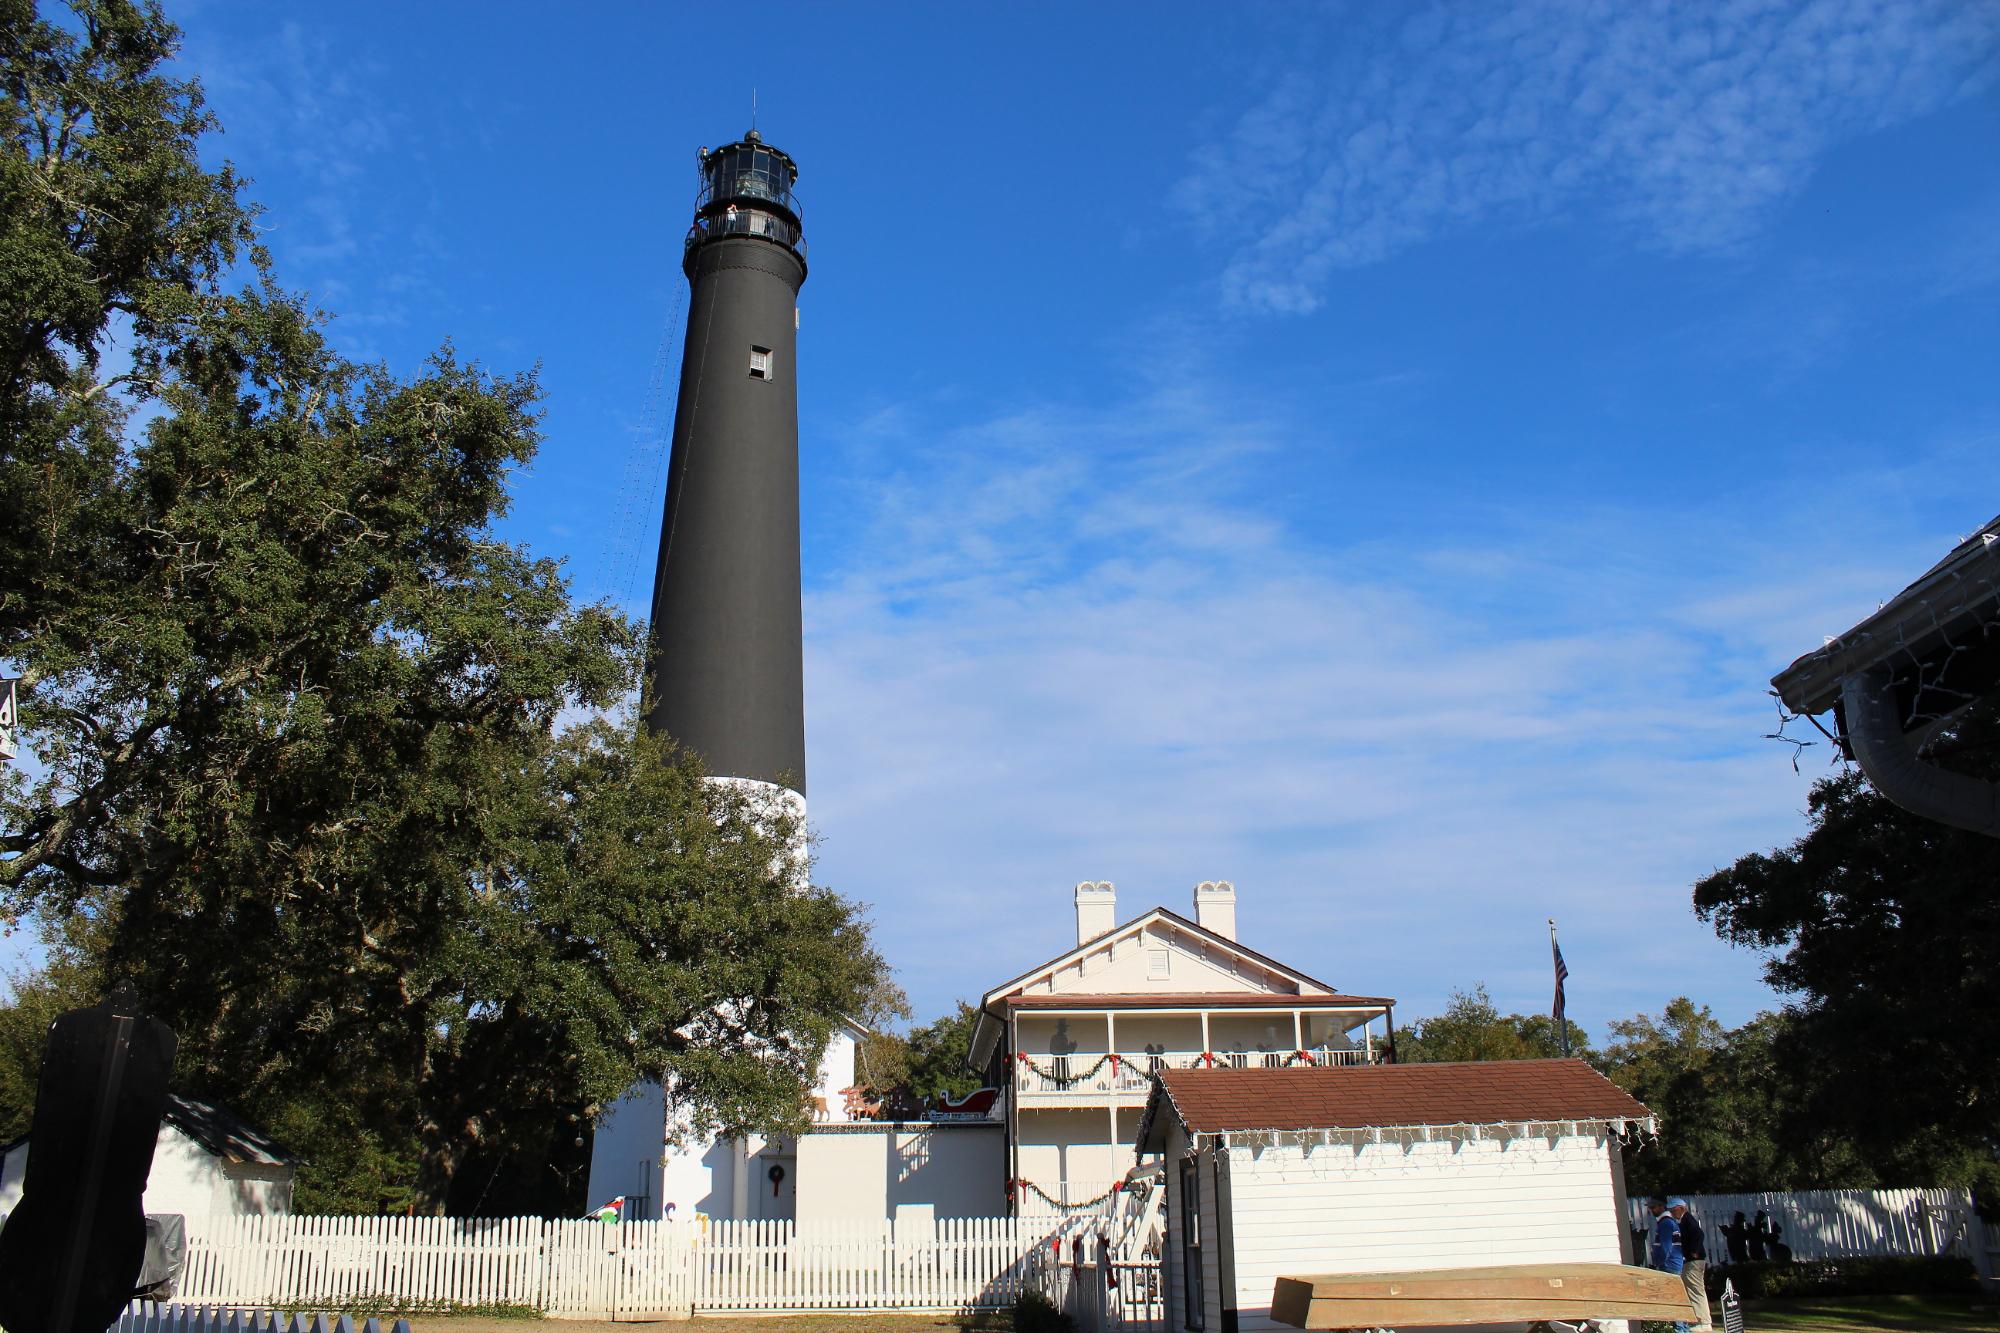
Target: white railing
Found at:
1106, 1297
631, 1270
1841, 1224
1087, 1073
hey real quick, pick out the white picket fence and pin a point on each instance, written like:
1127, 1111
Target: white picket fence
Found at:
146, 1317
1845, 1224
631, 1270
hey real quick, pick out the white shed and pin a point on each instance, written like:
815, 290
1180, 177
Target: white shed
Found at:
1389, 1168
207, 1161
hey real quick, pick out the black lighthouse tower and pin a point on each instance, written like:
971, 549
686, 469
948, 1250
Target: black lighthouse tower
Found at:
726, 678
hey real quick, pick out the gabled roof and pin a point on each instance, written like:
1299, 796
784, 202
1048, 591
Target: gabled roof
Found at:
1157, 916
224, 1133
994, 1004
219, 1131
1488, 1092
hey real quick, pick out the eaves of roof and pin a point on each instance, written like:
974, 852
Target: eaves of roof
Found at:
1953, 594
1492, 1092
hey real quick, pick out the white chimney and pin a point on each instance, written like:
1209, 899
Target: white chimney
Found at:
1096, 909
1215, 907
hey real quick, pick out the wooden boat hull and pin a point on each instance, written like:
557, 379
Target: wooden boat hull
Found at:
1512, 1293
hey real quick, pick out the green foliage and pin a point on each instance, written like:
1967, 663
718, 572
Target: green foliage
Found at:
1873, 1275
930, 1062
105, 211
1036, 1313
1471, 1028
66, 980
1885, 928
304, 780
1729, 1104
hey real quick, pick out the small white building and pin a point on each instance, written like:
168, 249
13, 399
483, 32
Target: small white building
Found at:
207, 1162
1384, 1168
844, 1167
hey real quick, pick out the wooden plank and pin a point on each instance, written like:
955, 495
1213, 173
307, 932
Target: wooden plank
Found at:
1477, 1295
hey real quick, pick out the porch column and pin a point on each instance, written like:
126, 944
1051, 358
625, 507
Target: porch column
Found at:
1205, 1045
739, 1178
1298, 1032
1111, 1158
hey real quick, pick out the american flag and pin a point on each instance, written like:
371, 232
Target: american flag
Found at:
1562, 971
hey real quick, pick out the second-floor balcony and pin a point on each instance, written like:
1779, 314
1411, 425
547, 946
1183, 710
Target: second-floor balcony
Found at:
1125, 1077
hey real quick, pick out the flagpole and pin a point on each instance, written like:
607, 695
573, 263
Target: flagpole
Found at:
1561, 1014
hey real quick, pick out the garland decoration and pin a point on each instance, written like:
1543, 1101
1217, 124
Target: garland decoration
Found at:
1300, 1058
1075, 1076
1027, 1186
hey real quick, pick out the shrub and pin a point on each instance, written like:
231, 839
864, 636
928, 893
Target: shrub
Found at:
1874, 1275
1036, 1313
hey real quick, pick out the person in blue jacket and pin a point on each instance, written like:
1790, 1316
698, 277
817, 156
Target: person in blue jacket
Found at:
1664, 1248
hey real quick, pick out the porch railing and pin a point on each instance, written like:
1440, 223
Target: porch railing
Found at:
1087, 1072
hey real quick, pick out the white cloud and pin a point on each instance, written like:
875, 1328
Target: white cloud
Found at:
1093, 655
1688, 125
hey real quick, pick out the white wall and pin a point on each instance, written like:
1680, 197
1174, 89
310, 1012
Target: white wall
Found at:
836, 1075
843, 1176
1390, 1206
629, 1154
186, 1178
959, 1169
626, 1147
13, 1166
697, 1179
1121, 966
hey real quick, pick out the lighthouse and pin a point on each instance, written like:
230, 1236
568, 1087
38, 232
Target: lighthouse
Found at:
726, 678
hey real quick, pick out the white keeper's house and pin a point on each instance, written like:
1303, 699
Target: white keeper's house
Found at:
1075, 1041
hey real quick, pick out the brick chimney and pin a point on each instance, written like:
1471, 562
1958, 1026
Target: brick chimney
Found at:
1096, 909
1215, 907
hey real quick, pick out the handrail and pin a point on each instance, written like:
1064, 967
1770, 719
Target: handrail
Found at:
1084, 1072
746, 222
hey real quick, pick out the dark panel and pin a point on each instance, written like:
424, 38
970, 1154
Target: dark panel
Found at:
71, 1252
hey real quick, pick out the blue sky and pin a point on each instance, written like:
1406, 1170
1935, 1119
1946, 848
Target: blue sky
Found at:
1377, 454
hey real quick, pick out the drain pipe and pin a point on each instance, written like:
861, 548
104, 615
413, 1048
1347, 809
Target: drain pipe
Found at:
1889, 757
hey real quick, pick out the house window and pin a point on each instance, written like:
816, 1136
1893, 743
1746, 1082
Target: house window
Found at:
1191, 1298
1159, 964
760, 363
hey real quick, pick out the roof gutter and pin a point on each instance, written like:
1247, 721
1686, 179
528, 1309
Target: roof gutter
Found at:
1890, 757
1937, 639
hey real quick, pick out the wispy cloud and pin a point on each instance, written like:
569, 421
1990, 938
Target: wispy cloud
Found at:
1686, 125
1094, 654
309, 124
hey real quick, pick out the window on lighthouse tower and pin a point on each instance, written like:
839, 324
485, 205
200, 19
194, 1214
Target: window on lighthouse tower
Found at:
760, 363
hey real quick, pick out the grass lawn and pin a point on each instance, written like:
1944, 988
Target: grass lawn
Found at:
1871, 1314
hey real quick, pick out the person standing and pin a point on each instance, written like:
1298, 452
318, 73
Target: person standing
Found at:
1664, 1249
1694, 1262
